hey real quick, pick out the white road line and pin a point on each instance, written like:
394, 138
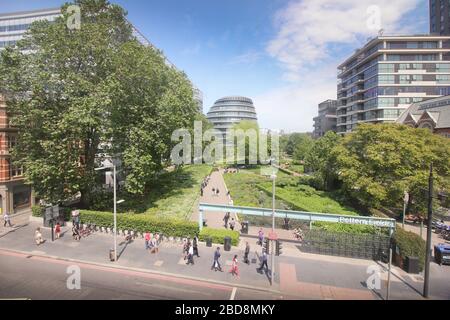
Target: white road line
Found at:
233, 293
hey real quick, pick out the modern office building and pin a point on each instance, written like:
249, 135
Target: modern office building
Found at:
440, 17
433, 114
326, 120
228, 111
382, 79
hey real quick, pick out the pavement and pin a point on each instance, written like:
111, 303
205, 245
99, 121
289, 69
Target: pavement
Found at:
297, 275
415, 228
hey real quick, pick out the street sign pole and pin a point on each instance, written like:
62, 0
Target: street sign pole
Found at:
273, 227
405, 202
426, 284
115, 215
388, 293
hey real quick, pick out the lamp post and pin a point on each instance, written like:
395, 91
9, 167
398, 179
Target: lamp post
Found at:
273, 177
426, 284
115, 205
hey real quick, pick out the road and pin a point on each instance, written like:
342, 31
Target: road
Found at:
42, 278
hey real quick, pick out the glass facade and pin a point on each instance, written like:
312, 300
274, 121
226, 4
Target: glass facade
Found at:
381, 80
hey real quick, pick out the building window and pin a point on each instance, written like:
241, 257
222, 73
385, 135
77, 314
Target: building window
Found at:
21, 198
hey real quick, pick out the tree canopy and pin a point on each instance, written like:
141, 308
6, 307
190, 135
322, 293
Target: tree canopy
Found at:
75, 94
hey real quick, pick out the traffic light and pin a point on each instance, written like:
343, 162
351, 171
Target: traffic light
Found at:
266, 246
278, 247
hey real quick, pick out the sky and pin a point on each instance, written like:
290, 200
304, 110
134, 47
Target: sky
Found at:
283, 54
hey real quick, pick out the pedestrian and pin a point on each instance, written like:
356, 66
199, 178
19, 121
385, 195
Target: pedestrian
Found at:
7, 220
154, 245
190, 255
195, 246
217, 191
75, 233
216, 263
226, 218
263, 262
228, 194
234, 266
260, 236
147, 240
38, 237
201, 191
246, 253
214, 191
232, 224
57, 230
186, 246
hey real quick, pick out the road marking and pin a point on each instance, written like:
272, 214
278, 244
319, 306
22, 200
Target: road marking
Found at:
158, 263
233, 293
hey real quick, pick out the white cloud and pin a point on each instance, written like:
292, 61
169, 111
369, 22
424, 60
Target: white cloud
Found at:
307, 28
308, 33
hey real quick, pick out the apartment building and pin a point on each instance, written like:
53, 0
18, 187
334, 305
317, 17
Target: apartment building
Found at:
326, 120
383, 78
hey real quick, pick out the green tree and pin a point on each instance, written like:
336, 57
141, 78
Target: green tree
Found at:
298, 145
70, 92
321, 160
377, 163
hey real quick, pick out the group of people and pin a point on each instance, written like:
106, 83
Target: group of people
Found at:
232, 223
204, 184
190, 249
152, 242
215, 192
231, 170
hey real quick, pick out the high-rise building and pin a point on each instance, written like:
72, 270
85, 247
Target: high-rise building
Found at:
228, 111
439, 17
326, 120
379, 81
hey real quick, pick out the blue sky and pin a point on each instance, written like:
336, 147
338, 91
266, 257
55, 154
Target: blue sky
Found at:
283, 54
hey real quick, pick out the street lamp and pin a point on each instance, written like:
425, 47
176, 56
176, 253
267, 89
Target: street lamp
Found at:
115, 205
273, 177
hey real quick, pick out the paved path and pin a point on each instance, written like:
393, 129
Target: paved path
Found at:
17, 221
215, 219
315, 276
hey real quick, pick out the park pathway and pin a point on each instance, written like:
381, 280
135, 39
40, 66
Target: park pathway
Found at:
215, 219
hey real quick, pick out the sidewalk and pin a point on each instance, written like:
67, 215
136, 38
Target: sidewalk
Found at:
17, 220
304, 276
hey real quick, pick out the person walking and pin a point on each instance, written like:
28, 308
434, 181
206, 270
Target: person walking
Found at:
38, 237
195, 246
147, 240
75, 233
234, 266
260, 236
263, 262
213, 191
246, 253
216, 263
57, 230
226, 218
7, 220
232, 224
190, 255
201, 191
217, 192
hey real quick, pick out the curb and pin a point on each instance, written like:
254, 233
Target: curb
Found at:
179, 276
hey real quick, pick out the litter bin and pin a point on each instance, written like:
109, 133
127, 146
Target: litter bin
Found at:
111, 255
412, 265
209, 242
244, 229
227, 244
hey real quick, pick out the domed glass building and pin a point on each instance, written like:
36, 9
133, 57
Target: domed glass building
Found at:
231, 110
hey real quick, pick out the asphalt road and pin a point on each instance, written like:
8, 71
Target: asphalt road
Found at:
38, 278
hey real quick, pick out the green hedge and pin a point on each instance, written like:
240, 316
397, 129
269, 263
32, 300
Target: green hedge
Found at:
37, 211
141, 223
218, 235
410, 244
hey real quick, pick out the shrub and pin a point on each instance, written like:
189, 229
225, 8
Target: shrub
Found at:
218, 235
141, 223
37, 211
410, 244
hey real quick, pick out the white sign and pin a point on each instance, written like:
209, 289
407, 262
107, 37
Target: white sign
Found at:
367, 222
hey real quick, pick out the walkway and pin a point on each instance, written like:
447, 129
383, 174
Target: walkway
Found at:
17, 220
215, 219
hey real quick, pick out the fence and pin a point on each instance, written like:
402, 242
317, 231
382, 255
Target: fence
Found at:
364, 246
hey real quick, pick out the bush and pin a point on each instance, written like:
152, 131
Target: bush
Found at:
141, 223
410, 245
37, 211
218, 235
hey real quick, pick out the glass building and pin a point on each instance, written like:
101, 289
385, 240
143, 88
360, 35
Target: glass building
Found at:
228, 111
379, 81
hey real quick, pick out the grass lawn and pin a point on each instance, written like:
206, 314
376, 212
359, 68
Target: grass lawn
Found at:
173, 194
249, 188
